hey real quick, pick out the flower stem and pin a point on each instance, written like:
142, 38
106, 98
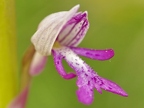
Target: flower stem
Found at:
8, 61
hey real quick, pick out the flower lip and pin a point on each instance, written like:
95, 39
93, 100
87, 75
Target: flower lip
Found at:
88, 79
48, 30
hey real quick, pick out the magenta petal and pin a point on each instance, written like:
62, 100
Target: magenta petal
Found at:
112, 87
74, 30
85, 95
59, 67
94, 54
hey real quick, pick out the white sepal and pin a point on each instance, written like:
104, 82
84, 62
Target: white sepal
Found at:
49, 28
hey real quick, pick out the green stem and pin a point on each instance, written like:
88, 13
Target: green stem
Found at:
8, 62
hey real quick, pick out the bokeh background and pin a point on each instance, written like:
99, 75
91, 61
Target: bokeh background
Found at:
117, 24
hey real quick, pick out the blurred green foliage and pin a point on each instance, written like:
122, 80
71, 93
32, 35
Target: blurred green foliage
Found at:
117, 24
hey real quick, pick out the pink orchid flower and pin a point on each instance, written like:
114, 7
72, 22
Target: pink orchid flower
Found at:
59, 34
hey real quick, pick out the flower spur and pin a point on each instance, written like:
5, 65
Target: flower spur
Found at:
60, 34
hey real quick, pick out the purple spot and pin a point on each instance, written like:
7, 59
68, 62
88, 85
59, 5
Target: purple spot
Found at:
57, 62
87, 53
86, 74
97, 55
94, 79
109, 87
88, 82
77, 64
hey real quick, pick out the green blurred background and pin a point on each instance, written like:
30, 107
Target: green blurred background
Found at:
117, 24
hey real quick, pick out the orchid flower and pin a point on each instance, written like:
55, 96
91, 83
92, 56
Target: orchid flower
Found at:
59, 34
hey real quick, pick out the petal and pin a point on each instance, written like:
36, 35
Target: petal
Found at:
37, 64
74, 30
48, 30
20, 100
94, 54
85, 95
112, 87
59, 67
